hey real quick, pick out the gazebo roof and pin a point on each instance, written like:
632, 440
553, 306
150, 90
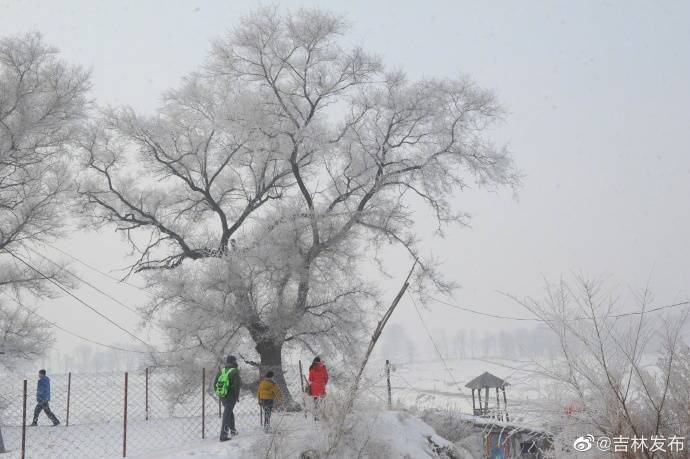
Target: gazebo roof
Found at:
486, 379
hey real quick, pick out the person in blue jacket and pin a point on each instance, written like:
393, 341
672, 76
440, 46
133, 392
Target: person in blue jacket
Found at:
43, 398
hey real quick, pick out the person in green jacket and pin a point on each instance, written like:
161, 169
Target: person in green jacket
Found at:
227, 387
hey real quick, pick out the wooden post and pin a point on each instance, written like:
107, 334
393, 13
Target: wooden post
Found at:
486, 400
261, 409
481, 409
301, 376
203, 403
124, 427
220, 414
388, 383
23, 451
2, 443
69, 393
505, 403
301, 383
498, 407
474, 406
146, 396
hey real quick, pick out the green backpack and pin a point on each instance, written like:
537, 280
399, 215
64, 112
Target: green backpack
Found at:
224, 381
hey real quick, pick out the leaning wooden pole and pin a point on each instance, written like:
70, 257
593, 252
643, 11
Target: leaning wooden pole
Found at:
374, 338
382, 323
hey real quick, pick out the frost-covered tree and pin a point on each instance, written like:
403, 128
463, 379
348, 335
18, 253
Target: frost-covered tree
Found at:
279, 168
41, 101
620, 372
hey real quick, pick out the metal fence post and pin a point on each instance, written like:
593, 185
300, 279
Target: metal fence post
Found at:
261, 409
388, 382
301, 376
203, 403
147, 394
23, 452
69, 393
2, 443
124, 427
301, 383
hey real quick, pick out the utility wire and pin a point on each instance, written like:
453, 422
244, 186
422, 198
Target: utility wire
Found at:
536, 319
77, 335
426, 329
93, 268
495, 316
69, 332
85, 282
58, 285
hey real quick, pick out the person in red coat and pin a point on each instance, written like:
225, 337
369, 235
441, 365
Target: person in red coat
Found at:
318, 378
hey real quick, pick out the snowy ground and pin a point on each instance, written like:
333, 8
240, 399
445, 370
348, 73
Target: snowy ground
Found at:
96, 422
428, 384
390, 434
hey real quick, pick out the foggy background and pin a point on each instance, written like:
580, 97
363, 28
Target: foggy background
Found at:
598, 119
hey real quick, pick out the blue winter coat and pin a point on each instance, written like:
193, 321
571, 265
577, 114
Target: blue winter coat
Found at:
43, 389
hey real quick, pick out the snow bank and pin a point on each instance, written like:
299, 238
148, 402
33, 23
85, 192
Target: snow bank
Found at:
384, 434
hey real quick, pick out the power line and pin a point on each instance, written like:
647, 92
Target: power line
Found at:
58, 285
536, 319
93, 268
495, 316
85, 282
426, 329
659, 308
69, 332
77, 335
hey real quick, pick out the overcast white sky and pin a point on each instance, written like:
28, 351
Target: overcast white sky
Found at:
599, 122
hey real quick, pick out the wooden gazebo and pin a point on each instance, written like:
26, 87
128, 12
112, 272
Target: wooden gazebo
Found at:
487, 381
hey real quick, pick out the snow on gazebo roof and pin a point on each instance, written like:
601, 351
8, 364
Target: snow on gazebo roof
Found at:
486, 379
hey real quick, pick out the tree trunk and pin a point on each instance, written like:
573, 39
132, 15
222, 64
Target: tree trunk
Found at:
271, 353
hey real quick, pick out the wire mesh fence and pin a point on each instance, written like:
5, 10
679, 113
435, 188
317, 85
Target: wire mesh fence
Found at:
118, 414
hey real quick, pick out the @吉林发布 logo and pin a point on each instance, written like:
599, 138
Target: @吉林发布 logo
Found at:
583, 443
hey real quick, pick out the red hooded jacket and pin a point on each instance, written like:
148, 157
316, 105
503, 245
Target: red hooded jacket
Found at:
318, 378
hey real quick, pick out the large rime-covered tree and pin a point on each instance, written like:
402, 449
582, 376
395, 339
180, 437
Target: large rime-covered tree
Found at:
41, 101
279, 166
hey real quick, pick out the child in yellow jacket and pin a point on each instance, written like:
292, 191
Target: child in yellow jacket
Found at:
267, 393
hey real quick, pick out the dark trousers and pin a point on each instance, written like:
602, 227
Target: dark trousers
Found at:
43, 406
228, 424
267, 406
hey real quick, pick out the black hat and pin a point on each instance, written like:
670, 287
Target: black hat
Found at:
231, 359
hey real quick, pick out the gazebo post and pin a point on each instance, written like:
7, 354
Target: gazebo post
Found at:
486, 400
505, 403
498, 407
474, 406
479, 393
